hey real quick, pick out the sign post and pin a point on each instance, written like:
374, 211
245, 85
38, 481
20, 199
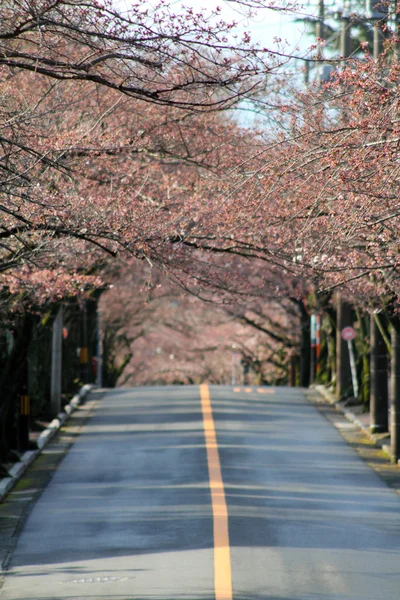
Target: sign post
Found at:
348, 334
315, 336
313, 340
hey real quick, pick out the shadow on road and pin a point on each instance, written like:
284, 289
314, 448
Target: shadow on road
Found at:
136, 483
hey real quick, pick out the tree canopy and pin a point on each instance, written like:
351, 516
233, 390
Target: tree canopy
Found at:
117, 141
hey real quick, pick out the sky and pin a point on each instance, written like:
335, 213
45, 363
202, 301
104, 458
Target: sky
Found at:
263, 28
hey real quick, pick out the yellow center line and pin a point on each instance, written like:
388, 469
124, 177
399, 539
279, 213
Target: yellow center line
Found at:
222, 553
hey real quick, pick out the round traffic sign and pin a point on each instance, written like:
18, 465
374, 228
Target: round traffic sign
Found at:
348, 333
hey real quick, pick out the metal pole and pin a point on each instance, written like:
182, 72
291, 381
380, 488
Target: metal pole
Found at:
313, 348
353, 368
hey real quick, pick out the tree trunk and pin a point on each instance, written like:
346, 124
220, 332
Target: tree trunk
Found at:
305, 354
293, 370
395, 391
84, 349
379, 407
14, 389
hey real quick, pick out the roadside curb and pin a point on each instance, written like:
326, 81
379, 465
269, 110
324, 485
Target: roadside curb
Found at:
17, 470
384, 443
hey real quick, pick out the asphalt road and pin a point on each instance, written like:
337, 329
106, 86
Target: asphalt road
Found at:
212, 493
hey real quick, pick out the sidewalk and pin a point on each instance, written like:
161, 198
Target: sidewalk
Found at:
356, 415
41, 440
27, 486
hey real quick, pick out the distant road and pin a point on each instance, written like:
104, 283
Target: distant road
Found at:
209, 493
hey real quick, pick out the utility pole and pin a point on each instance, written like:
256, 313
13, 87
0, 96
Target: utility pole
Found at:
315, 350
320, 34
320, 28
378, 40
56, 363
345, 39
343, 370
377, 12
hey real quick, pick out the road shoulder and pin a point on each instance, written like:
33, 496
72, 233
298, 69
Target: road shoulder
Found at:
368, 448
19, 502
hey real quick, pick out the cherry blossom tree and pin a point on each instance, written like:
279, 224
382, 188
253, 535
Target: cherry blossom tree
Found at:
83, 85
155, 333
116, 145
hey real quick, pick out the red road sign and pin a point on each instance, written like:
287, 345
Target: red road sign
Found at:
348, 334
